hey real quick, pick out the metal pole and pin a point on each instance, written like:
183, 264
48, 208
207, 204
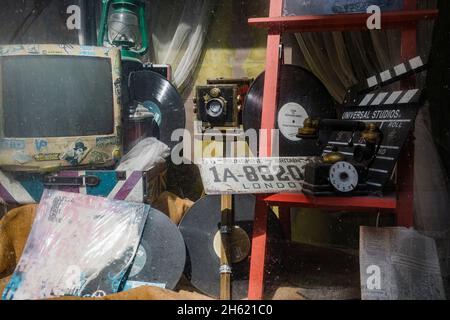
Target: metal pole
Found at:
225, 254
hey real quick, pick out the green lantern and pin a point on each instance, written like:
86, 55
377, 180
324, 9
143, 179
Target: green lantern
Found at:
123, 25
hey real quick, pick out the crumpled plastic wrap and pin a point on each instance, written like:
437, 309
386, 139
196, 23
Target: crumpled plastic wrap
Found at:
144, 156
79, 245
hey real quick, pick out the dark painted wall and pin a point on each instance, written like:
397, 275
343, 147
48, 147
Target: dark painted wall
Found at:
38, 21
438, 83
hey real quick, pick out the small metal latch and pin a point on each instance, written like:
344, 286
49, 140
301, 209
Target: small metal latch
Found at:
91, 181
225, 269
82, 181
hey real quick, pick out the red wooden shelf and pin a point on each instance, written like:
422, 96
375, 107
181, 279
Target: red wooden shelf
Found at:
332, 203
402, 202
340, 22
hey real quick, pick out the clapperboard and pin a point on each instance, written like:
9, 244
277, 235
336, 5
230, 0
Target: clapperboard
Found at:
393, 111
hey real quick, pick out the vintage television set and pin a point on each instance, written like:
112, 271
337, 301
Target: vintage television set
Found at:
60, 107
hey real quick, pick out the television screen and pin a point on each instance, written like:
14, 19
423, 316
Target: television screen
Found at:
55, 96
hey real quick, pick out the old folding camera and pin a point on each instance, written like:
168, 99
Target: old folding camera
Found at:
218, 104
334, 173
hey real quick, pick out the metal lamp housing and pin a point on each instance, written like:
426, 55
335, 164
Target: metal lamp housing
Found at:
123, 29
123, 25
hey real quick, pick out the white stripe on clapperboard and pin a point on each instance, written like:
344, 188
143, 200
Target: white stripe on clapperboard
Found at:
380, 98
392, 97
367, 99
408, 96
416, 62
400, 69
15, 189
386, 75
372, 81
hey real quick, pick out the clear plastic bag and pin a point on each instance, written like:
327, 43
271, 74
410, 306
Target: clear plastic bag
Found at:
79, 245
144, 156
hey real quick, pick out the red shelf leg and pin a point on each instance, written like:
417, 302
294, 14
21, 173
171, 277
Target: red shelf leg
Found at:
256, 281
258, 255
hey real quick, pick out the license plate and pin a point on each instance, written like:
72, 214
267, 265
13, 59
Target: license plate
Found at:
253, 175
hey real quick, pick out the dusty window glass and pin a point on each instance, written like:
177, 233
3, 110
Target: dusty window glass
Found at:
212, 39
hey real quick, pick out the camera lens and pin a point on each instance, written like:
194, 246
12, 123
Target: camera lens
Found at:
215, 108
